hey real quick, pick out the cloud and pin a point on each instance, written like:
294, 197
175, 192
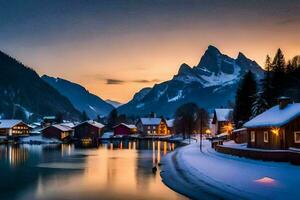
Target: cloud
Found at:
146, 81
114, 81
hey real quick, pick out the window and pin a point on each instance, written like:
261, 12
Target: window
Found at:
148, 132
154, 127
148, 127
297, 136
154, 132
266, 136
252, 136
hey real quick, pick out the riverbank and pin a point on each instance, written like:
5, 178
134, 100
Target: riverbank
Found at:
212, 175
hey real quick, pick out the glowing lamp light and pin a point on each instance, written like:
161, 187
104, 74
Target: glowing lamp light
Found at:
266, 181
207, 131
228, 128
275, 131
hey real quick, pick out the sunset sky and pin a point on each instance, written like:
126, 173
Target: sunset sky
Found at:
116, 47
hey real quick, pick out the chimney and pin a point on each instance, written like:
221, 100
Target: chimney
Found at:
283, 102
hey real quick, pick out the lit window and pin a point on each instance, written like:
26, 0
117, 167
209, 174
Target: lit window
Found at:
154, 132
148, 132
252, 136
266, 136
297, 136
148, 127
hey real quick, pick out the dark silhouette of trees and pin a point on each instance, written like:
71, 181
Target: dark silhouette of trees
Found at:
84, 116
190, 119
245, 98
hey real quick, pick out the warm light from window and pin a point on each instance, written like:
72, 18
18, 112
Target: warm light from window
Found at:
275, 131
208, 131
228, 128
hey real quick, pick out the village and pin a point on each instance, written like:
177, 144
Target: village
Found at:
271, 136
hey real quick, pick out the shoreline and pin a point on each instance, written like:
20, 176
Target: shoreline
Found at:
176, 178
213, 175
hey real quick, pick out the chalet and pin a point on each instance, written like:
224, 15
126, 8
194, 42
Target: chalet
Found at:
125, 129
152, 126
88, 131
48, 121
170, 126
222, 121
58, 131
11, 128
276, 128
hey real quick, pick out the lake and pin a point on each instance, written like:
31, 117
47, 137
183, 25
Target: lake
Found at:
118, 170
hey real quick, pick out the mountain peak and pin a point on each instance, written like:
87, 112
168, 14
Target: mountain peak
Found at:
213, 49
184, 69
241, 56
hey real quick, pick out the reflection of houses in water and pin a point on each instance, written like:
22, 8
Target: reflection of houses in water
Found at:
13, 154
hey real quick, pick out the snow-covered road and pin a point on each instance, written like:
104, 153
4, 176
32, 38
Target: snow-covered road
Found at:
212, 175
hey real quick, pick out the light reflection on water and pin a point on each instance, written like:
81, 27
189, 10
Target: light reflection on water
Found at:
118, 170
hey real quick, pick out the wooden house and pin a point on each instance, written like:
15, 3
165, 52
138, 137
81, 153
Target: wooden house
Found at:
123, 129
10, 128
276, 128
240, 135
58, 131
170, 126
48, 121
222, 121
88, 131
152, 126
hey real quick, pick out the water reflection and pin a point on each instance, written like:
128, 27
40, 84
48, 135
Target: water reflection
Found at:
114, 170
13, 154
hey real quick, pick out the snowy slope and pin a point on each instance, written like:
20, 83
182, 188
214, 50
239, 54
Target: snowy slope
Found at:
115, 104
81, 99
211, 84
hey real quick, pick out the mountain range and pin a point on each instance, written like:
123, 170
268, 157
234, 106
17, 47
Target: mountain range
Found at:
24, 95
81, 99
210, 84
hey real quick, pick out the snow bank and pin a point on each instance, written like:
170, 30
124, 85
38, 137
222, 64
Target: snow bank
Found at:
212, 175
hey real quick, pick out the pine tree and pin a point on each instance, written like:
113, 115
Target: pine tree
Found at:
259, 106
112, 119
278, 64
84, 116
245, 98
278, 78
266, 85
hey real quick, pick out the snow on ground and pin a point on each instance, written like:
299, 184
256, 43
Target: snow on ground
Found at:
39, 139
212, 175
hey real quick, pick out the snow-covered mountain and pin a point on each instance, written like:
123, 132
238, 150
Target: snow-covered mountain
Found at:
210, 84
24, 95
115, 104
81, 99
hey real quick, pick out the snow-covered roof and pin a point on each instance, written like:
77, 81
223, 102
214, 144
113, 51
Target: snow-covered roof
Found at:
223, 114
275, 117
170, 123
49, 117
150, 121
131, 126
239, 130
9, 123
68, 124
93, 123
62, 127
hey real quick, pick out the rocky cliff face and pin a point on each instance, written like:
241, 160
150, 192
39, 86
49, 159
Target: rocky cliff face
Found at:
212, 83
